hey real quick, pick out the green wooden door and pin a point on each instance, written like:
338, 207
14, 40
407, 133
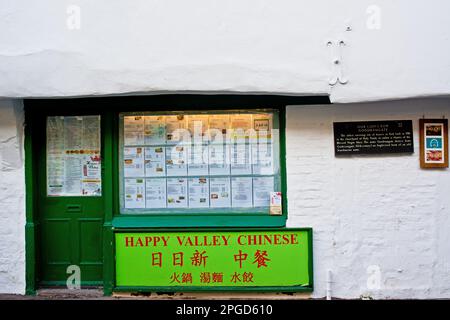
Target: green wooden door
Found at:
70, 225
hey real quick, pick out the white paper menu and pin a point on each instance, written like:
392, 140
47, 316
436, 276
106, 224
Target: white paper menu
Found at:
262, 158
155, 161
176, 131
176, 161
197, 126
240, 158
73, 156
154, 130
133, 130
219, 128
242, 194
176, 193
198, 192
262, 188
220, 192
134, 193
133, 162
219, 159
155, 193
197, 157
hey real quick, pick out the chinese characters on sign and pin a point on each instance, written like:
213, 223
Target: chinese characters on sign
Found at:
198, 161
260, 258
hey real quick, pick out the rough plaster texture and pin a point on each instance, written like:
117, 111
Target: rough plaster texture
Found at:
12, 198
393, 49
370, 213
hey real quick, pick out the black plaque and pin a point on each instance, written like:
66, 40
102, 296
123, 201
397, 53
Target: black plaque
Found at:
370, 137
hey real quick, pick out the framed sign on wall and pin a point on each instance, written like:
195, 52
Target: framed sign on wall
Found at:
433, 143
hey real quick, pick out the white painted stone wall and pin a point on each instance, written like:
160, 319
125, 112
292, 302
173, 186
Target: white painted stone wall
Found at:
12, 198
393, 49
370, 213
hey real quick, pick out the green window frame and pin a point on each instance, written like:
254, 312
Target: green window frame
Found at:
212, 217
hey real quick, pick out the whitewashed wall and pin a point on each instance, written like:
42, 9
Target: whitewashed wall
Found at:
370, 213
393, 49
12, 198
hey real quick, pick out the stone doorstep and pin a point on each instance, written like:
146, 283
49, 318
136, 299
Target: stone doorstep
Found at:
97, 294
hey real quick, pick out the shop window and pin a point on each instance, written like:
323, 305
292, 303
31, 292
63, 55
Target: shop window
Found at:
73, 156
224, 161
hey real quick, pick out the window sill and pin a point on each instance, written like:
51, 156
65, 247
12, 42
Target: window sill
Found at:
197, 221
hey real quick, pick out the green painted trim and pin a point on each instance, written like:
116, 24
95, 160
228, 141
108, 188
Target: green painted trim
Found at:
307, 288
178, 221
30, 227
214, 219
107, 185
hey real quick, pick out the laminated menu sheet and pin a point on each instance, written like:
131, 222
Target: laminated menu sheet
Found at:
73, 156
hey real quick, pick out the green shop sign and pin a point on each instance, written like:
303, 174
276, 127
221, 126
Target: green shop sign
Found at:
215, 260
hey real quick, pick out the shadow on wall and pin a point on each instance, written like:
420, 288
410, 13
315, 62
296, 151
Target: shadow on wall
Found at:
11, 134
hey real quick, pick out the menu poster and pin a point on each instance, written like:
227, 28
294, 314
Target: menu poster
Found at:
55, 174
176, 129
154, 130
219, 125
198, 192
176, 161
176, 193
91, 182
155, 193
134, 193
262, 128
197, 126
242, 194
197, 160
73, 171
91, 133
263, 186
154, 161
219, 159
133, 162
262, 158
242, 127
133, 130
73, 156
73, 133
220, 193
240, 159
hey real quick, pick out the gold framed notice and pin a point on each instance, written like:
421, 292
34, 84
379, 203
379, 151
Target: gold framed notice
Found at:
433, 143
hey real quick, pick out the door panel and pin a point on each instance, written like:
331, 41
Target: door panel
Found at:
70, 227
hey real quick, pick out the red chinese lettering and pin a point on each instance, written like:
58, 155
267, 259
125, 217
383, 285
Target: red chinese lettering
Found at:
186, 278
240, 257
175, 278
205, 277
235, 277
261, 258
247, 277
217, 277
178, 259
199, 258
157, 259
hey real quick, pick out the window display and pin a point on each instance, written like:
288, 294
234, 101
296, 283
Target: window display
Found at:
209, 162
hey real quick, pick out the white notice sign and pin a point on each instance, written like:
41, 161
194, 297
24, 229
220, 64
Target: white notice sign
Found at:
242, 193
